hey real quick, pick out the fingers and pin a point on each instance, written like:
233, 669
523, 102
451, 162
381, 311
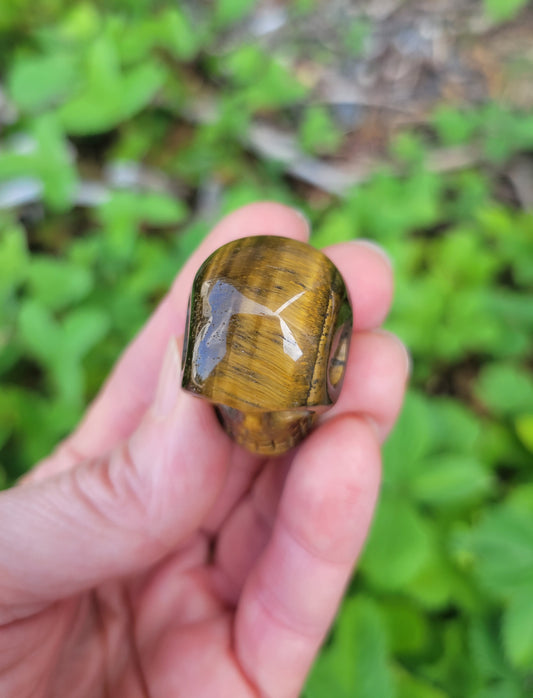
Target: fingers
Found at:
378, 363
247, 530
373, 388
374, 384
115, 515
368, 275
293, 592
117, 410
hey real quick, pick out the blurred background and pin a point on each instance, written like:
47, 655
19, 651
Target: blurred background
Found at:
129, 127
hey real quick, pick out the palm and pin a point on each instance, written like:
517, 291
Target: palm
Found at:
172, 645
150, 557
166, 630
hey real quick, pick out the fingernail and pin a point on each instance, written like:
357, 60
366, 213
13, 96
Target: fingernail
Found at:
377, 248
407, 356
374, 426
304, 217
168, 387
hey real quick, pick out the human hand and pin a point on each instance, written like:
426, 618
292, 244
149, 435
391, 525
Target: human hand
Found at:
151, 556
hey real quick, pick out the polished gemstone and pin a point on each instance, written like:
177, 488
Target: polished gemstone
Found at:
268, 333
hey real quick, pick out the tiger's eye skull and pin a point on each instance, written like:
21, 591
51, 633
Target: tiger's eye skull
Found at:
267, 339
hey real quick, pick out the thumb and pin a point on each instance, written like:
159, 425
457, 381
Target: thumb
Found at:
118, 514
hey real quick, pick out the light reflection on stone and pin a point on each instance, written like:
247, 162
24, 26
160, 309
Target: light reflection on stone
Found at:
221, 301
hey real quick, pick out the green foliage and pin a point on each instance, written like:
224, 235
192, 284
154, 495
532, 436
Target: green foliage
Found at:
227, 12
109, 93
496, 128
518, 630
263, 80
13, 259
501, 545
506, 389
503, 10
318, 132
57, 284
441, 605
38, 82
41, 154
356, 661
355, 34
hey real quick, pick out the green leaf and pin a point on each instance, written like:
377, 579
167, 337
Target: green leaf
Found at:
82, 329
160, 209
504, 131
178, 34
125, 207
503, 10
499, 445
3, 477
227, 12
433, 585
409, 149
506, 389
362, 636
318, 132
407, 627
265, 82
454, 126
110, 94
57, 283
67, 379
302, 7
485, 648
9, 414
513, 309
335, 227
506, 688
81, 22
46, 157
453, 426
408, 443
42, 423
450, 480
502, 548
399, 544
524, 429
409, 686
13, 257
452, 667
470, 195
411, 203
54, 162
355, 35
518, 630
139, 85
155, 269
356, 664
521, 498
39, 82
39, 332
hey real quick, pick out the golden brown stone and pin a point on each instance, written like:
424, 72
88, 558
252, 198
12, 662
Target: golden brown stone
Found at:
267, 339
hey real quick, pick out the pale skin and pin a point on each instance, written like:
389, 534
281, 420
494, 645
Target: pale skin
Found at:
150, 556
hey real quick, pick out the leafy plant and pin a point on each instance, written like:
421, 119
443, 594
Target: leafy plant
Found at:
501, 11
441, 605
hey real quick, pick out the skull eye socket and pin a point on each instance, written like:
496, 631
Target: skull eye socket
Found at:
337, 359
